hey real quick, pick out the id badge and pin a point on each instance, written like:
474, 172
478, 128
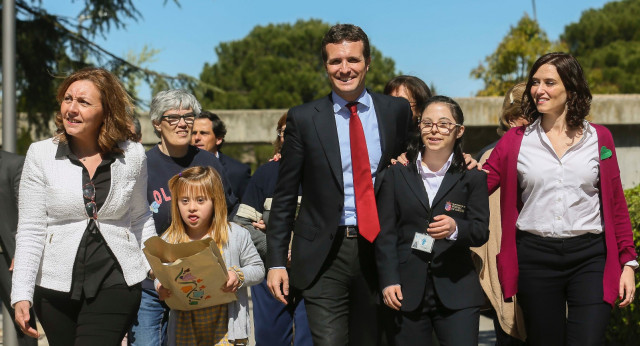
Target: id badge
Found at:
422, 242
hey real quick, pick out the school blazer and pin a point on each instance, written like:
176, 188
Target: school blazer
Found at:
403, 209
52, 218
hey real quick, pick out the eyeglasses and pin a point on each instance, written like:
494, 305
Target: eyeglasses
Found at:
89, 192
174, 119
444, 127
280, 132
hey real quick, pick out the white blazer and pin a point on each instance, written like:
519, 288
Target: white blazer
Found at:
52, 218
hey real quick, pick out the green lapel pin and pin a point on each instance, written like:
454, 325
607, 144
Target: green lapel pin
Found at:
605, 153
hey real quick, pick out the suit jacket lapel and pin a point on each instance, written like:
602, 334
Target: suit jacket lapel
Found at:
325, 122
449, 181
386, 128
416, 185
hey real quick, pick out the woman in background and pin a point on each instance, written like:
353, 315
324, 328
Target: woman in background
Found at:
507, 316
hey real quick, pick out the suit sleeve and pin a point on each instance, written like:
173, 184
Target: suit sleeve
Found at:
473, 230
285, 199
385, 244
230, 197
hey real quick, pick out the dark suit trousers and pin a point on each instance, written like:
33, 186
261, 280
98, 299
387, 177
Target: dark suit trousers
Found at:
5, 295
341, 303
560, 289
452, 327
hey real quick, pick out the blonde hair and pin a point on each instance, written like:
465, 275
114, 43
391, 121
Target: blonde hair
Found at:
198, 181
511, 107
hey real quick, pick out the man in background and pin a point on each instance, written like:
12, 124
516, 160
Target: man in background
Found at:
10, 172
208, 134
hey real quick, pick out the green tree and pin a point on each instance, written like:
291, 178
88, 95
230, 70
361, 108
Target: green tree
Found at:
49, 46
606, 41
277, 66
511, 61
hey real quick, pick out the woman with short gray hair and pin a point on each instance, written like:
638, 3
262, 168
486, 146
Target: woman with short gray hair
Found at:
172, 115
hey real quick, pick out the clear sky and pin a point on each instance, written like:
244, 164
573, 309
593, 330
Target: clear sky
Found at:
438, 41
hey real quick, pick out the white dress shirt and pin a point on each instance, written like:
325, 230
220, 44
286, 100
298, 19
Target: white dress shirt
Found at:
432, 181
560, 194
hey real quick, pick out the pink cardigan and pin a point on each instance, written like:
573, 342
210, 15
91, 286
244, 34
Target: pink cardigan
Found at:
502, 167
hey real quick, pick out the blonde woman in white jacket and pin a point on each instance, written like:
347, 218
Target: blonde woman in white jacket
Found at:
82, 219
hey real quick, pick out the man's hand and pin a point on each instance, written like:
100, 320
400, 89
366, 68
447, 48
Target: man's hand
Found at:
11, 266
22, 319
232, 283
278, 282
627, 286
163, 293
443, 227
392, 296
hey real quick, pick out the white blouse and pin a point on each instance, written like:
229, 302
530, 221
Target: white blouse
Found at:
560, 194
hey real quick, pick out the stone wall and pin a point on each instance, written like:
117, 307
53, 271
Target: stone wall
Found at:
621, 113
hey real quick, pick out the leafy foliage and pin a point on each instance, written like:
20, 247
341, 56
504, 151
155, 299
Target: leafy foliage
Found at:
511, 61
607, 44
49, 47
624, 325
277, 66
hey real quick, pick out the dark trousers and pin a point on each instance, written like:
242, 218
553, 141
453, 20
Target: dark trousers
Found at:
5, 296
102, 320
341, 303
275, 323
452, 327
560, 289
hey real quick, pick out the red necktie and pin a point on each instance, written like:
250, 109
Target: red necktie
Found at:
366, 210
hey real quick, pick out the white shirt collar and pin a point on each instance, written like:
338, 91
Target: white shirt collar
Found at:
424, 170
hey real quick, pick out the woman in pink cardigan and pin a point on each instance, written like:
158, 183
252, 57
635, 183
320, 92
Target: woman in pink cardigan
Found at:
567, 244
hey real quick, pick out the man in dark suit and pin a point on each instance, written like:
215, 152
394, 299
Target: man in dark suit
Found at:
337, 148
10, 172
208, 134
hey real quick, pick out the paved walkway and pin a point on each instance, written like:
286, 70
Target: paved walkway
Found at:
486, 338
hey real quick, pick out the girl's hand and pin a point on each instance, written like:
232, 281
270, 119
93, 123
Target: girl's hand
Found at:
443, 227
259, 225
22, 319
163, 293
232, 283
627, 286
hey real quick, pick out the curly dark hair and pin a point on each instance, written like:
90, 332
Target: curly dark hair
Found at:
416, 145
578, 94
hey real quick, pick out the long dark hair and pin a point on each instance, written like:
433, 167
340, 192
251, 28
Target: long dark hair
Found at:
575, 83
415, 137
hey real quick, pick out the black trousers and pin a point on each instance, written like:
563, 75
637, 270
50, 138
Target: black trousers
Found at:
560, 289
452, 327
102, 320
341, 303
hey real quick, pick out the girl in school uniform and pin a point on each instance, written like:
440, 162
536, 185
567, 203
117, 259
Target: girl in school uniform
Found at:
431, 212
199, 211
